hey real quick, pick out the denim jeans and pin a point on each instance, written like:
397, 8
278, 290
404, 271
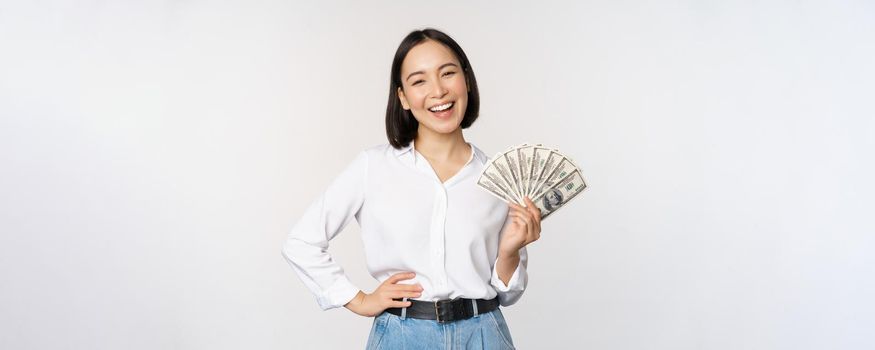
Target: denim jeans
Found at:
484, 331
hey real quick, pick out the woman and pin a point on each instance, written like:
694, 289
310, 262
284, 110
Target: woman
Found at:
447, 253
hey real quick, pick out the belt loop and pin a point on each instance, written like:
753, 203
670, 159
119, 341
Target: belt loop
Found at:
404, 310
474, 303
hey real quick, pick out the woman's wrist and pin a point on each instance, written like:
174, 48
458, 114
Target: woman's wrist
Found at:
506, 265
513, 254
357, 300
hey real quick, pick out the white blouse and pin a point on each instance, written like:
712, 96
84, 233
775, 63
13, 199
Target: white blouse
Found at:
447, 233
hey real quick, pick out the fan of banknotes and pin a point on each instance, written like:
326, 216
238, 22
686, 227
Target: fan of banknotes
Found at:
546, 176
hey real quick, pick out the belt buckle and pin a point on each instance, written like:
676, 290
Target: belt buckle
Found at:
438, 307
437, 312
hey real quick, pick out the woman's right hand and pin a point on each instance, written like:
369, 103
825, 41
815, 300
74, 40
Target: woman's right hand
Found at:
373, 304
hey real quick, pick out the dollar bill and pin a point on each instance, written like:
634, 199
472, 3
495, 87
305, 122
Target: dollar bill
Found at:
556, 197
539, 160
543, 174
499, 162
527, 154
495, 189
512, 159
562, 170
492, 180
553, 159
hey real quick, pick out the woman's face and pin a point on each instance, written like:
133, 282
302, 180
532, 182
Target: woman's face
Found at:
434, 87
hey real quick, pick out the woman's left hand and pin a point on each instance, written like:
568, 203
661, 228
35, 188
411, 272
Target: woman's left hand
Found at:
524, 228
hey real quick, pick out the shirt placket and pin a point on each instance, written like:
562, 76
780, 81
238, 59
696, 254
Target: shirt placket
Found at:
437, 235
437, 231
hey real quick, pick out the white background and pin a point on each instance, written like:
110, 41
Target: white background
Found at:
155, 154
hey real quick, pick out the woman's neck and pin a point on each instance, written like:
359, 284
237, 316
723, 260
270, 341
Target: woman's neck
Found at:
441, 147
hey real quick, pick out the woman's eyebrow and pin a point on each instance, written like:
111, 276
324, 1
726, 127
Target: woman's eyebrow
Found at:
439, 68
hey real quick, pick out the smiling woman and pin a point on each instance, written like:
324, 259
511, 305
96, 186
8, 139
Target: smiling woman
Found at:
430, 63
447, 254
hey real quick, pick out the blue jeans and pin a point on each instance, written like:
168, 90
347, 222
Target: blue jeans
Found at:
484, 331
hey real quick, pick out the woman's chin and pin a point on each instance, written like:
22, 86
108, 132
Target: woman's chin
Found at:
445, 127
441, 126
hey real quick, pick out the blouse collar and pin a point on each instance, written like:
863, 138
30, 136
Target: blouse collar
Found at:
476, 153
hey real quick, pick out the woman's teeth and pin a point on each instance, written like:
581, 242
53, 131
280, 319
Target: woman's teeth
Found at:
441, 107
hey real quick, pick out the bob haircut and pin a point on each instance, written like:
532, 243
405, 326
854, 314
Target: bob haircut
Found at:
401, 126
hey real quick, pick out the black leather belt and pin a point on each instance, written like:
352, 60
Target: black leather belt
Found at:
445, 310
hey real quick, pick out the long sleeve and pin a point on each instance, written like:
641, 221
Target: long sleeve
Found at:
513, 291
306, 246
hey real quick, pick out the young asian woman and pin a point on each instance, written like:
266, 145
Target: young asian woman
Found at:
447, 253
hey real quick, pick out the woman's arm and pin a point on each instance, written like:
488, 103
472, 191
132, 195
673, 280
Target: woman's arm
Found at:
506, 265
509, 276
306, 246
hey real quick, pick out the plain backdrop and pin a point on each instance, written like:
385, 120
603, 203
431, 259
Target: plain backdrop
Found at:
155, 154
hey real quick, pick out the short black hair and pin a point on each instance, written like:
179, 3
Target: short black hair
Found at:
401, 126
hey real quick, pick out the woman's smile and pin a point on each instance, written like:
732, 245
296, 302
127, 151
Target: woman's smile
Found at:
443, 111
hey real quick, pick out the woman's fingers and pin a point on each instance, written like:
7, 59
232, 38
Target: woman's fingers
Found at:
528, 217
396, 303
520, 213
404, 288
517, 206
530, 210
536, 213
524, 216
404, 294
520, 222
527, 226
399, 277
530, 206
536, 219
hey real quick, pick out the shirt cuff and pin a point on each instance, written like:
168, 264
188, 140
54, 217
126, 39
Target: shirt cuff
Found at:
340, 293
513, 283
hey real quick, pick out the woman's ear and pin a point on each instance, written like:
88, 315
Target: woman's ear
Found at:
403, 99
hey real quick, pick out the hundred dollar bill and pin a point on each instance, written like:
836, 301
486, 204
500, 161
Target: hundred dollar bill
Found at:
500, 165
494, 188
492, 180
512, 159
526, 155
539, 158
550, 162
556, 197
562, 170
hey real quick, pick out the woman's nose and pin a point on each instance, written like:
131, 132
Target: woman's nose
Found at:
439, 90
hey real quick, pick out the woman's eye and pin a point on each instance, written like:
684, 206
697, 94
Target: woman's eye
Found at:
449, 73
417, 82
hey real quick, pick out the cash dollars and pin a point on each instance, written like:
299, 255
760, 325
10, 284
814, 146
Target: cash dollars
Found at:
543, 174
